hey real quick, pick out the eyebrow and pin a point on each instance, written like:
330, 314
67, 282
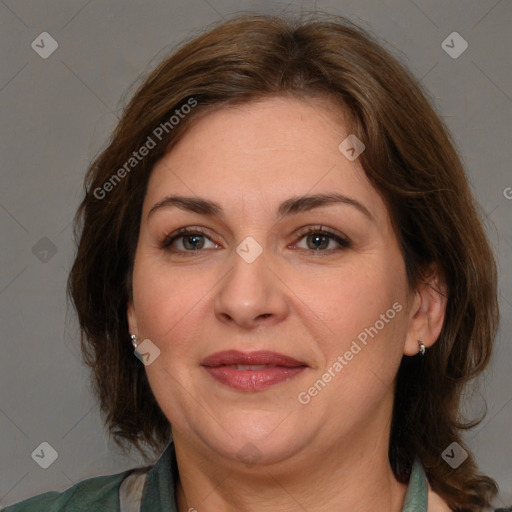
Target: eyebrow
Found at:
291, 206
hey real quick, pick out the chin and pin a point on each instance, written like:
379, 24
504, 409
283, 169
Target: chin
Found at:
255, 437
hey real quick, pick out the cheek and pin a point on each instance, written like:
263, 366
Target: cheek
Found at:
355, 297
361, 354
364, 323
163, 297
168, 308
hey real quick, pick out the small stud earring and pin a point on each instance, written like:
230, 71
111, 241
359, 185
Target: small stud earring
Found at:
422, 347
135, 340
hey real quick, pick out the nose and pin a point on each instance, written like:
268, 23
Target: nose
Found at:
251, 293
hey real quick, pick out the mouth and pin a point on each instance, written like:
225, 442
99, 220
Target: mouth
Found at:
252, 371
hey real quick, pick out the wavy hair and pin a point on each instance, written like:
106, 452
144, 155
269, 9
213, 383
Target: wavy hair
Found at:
411, 161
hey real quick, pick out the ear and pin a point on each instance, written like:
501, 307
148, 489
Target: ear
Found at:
132, 319
426, 312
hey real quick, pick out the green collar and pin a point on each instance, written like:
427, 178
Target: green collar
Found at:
416, 498
160, 484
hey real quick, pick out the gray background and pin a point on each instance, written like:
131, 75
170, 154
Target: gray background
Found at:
57, 114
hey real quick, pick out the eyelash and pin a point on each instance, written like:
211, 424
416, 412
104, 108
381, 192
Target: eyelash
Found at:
317, 230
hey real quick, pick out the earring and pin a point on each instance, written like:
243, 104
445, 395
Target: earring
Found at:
422, 347
135, 340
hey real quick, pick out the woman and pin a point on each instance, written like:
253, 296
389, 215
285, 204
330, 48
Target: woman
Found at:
282, 232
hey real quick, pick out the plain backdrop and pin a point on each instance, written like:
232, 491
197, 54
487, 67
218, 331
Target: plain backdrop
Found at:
57, 113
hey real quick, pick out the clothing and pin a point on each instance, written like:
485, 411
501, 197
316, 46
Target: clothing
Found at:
152, 490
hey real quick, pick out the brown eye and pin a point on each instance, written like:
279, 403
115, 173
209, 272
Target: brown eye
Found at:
186, 240
318, 241
193, 242
321, 240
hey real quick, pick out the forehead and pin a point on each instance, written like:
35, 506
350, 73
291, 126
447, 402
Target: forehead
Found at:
262, 153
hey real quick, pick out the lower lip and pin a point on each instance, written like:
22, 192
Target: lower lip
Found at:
253, 380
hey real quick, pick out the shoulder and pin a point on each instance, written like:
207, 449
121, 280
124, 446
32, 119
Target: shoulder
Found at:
102, 492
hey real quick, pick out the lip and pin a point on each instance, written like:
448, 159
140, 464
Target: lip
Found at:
227, 357
280, 368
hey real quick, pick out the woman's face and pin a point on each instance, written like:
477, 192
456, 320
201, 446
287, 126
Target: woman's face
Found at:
320, 282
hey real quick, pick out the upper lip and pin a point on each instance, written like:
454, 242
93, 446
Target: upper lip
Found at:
228, 357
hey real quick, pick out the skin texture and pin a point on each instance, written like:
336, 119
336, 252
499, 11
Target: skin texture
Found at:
328, 454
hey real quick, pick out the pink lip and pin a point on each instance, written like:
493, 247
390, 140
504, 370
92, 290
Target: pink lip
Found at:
280, 368
227, 357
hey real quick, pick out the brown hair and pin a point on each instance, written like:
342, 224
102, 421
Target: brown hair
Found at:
409, 158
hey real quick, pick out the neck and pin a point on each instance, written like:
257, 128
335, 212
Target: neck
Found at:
329, 488
351, 475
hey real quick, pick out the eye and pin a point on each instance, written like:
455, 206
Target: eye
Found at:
189, 240
192, 240
319, 239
